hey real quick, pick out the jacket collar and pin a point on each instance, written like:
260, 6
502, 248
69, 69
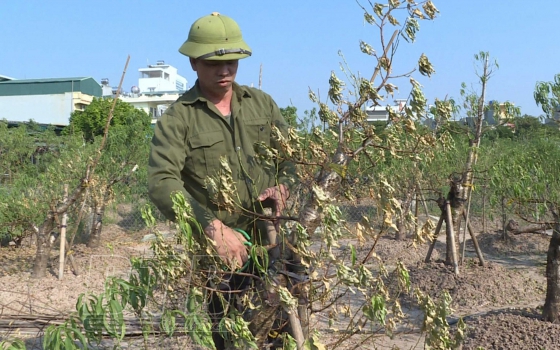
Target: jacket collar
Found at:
194, 94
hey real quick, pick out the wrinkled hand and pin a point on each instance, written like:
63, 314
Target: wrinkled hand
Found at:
279, 195
228, 243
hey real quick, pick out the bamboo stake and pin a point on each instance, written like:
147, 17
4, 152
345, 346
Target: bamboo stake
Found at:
109, 118
466, 217
436, 234
63, 237
416, 212
451, 235
91, 167
464, 237
504, 231
476, 246
484, 211
302, 315
419, 191
297, 329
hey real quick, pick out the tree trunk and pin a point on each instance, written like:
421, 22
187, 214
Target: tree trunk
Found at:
551, 309
98, 214
328, 181
513, 228
460, 187
406, 205
41, 257
401, 229
43, 249
504, 218
456, 198
94, 240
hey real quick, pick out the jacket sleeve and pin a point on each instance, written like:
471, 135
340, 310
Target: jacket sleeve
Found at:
167, 159
286, 168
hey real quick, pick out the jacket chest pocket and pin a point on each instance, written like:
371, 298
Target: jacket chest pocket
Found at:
258, 130
203, 158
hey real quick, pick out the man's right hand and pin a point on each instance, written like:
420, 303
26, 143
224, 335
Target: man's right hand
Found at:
228, 243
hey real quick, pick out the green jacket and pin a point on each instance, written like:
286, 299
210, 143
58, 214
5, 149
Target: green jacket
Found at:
191, 137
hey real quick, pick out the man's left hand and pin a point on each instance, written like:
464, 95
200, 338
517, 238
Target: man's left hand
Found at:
279, 195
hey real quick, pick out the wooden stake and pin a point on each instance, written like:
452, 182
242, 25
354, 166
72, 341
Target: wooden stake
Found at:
63, 237
475, 243
451, 236
464, 237
436, 234
416, 211
484, 211
296, 327
419, 191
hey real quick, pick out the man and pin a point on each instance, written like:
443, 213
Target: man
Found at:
214, 119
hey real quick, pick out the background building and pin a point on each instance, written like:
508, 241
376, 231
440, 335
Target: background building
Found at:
380, 113
159, 85
51, 101
496, 114
45, 101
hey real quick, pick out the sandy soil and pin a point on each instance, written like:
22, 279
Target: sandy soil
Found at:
499, 302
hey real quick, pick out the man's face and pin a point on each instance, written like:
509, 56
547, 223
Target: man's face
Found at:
215, 76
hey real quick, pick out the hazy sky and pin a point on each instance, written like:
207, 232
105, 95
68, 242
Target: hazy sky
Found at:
297, 43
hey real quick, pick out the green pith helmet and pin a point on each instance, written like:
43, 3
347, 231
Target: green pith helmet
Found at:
215, 37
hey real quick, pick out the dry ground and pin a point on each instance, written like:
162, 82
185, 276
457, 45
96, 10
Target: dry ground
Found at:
500, 302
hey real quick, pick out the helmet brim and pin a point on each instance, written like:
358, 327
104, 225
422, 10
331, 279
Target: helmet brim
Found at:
196, 50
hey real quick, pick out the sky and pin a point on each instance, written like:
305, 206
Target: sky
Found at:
297, 43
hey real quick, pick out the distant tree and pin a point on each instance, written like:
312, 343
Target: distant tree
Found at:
499, 132
290, 115
124, 159
33, 126
525, 173
379, 126
526, 124
92, 120
547, 95
527, 176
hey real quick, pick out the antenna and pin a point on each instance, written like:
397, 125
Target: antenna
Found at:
260, 78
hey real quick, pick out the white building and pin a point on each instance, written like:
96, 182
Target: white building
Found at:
380, 113
159, 85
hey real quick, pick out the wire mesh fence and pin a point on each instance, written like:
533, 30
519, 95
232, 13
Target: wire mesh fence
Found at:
126, 209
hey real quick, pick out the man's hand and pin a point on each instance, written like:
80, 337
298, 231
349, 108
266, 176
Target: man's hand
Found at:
279, 195
228, 243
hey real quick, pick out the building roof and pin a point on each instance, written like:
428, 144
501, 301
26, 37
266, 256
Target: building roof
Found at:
5, 78
18, 87
44, 80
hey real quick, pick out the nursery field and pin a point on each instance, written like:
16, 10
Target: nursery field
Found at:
500, 303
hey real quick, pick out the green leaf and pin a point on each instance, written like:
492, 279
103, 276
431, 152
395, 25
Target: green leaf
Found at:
313, 343
168, 322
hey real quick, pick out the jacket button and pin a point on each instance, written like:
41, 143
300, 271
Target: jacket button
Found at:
238, 148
